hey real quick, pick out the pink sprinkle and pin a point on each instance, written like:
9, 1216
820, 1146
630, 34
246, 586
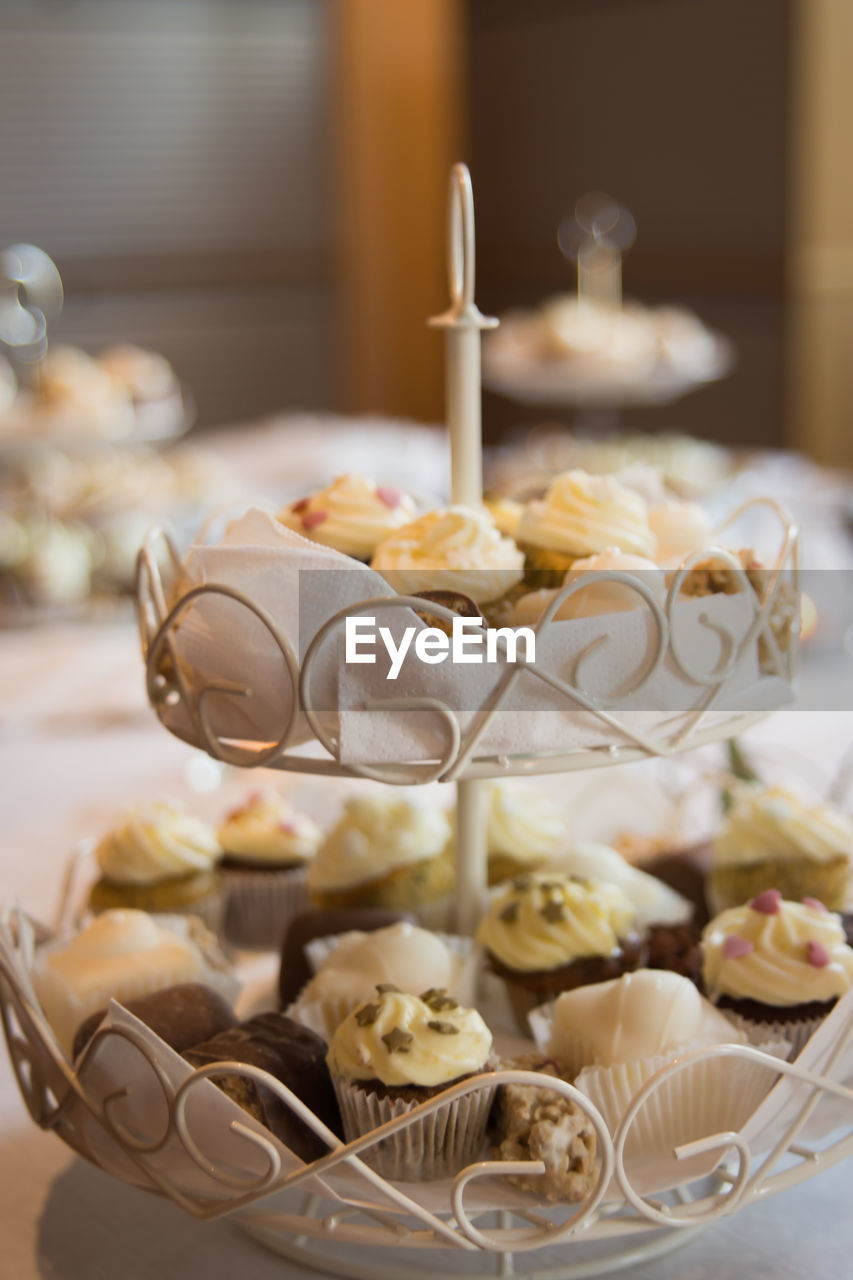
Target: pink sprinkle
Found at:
818, 955
815, 904
391, 497
301, 505
314, 518
768, 903
289, 828
734, 946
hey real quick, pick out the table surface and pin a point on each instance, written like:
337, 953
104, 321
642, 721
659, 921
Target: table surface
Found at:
78, 744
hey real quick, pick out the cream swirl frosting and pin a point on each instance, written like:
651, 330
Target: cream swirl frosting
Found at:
544, 921
777, 952
410, 1040
637, 1016
157, 842
352, 515
680, 528
265, 829
374, 835
582, 514
521, 823
773, 822
453, 549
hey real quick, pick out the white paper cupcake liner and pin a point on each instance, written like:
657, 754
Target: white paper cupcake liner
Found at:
325, 1016
714, 1095
794, 1034
436, 1146
259, 905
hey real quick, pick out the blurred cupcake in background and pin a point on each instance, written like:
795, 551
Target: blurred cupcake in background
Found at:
388, 849
523, 829
771, 837
159, 858
266, 846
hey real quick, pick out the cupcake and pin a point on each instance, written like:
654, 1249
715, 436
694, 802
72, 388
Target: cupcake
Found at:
547, 933
159, 858
354, 964
579, 516
612, 1037
770, 836
523, 829
266, 846
681, 528
121, 955
388, 849
454, 549
601, 597
397, 1051
352, 515
776, 967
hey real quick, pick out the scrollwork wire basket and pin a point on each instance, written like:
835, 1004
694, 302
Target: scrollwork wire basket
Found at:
128, 1105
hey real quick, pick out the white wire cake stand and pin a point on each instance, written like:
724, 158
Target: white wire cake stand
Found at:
137, 1110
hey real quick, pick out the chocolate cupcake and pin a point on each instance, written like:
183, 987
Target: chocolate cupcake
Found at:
777, 967
548, 933
397, 1051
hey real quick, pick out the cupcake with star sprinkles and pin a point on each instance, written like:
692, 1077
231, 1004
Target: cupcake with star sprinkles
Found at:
548, 933
775, 966
398, 1050
352, 515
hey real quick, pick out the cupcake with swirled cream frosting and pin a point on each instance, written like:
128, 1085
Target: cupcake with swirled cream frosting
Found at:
160, 858
547, 933
581, 515
771, 837
398, 1050
456, 549
605, 595
777, 964
352, 515
267, 846
388, 849
523, 829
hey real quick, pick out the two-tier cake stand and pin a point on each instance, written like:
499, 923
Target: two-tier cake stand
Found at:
142, 1114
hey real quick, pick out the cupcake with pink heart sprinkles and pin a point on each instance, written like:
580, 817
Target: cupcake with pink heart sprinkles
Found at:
776, 966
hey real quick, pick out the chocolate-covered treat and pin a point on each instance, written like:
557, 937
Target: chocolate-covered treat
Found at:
324, 922
182, 1015
296, 1057
684, 870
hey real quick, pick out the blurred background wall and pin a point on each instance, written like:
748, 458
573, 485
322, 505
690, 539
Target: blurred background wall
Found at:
258, 189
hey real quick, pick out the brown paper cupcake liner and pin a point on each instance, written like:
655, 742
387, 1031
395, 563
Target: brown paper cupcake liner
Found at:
259, 905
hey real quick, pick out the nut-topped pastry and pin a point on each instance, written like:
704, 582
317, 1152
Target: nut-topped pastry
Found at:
398, 1050
580, 515
548, 933
266, 846
770, 836
388, 849
776, 962
352, 515
159, 858
456, 549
